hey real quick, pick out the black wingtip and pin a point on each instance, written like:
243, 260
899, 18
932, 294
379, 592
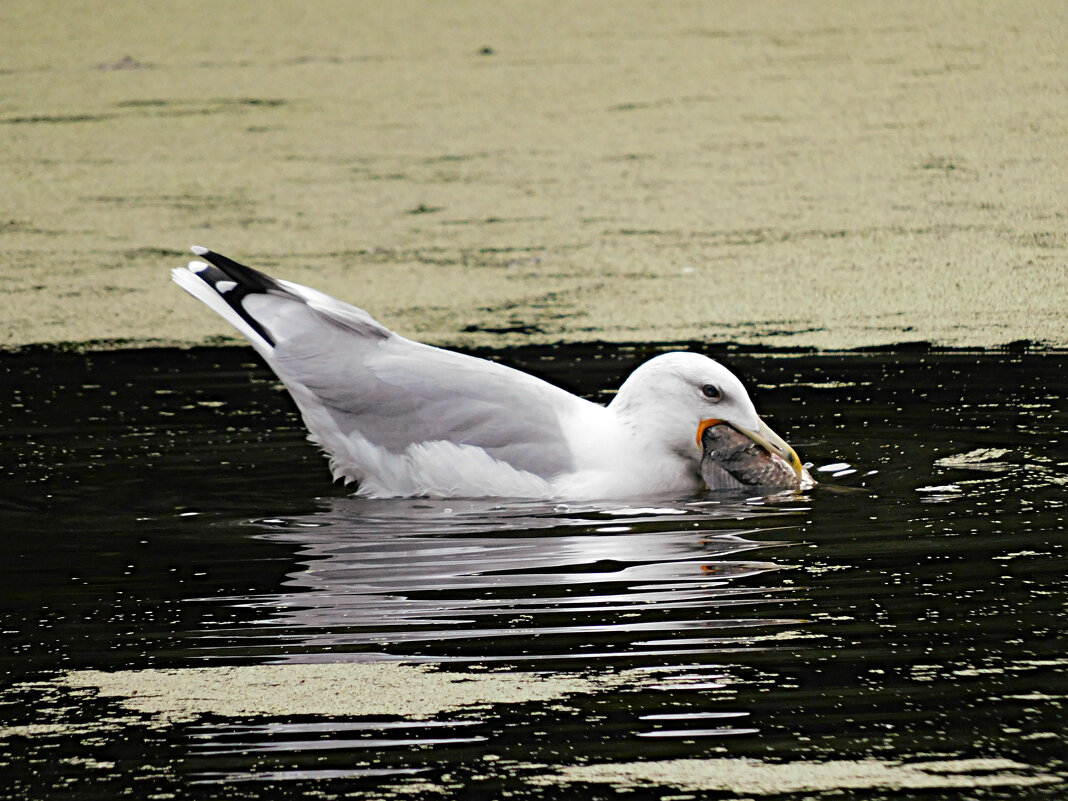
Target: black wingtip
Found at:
250, 279
241, 281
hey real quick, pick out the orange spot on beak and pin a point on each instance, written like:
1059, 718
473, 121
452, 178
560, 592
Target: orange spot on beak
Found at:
703, 426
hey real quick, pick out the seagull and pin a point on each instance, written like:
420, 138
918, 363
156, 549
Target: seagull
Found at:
404, 419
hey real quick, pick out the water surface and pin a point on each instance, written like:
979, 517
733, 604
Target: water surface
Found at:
161, 510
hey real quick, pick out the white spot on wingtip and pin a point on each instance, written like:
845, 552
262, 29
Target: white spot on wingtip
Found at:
199, 251
225, 286
198, 266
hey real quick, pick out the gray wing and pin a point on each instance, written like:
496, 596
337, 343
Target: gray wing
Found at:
395, 392
392, 391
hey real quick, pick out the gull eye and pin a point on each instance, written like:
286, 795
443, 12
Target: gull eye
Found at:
711, 391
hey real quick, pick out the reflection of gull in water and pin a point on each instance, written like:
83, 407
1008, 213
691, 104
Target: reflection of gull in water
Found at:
403, 419
433, 580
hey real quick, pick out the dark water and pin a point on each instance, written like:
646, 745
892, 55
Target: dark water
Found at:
162, 509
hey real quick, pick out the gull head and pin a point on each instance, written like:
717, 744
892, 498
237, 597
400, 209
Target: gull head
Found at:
675, 397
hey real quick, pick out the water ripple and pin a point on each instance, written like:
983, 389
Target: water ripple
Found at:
433, 580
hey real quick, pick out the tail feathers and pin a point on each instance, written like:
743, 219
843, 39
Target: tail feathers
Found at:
226, 286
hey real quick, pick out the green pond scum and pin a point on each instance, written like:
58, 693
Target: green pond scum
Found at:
831, 175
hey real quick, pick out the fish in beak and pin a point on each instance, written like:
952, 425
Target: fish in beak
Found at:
734, 457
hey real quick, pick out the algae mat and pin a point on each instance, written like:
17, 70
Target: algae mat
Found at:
753, 777
327, 693
829, 174
330, 691
377, 688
